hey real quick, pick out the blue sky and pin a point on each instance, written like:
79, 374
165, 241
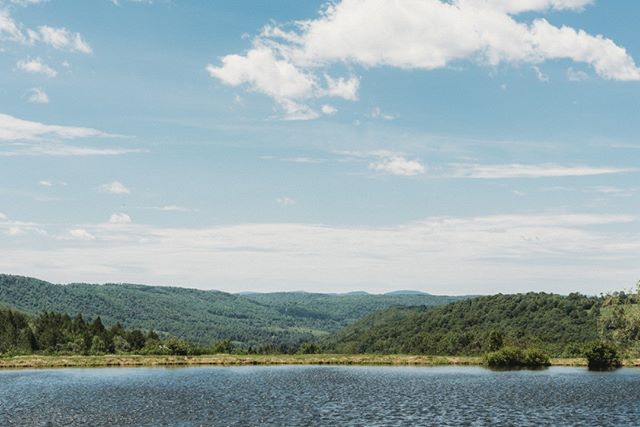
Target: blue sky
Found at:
471, 146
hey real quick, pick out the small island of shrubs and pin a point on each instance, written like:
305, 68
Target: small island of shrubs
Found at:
602, 356
512, 357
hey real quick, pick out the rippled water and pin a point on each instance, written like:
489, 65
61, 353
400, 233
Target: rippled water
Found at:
318, 395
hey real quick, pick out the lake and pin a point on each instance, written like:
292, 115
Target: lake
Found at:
318, 395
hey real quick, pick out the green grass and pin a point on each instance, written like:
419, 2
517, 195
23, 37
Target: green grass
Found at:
38, 361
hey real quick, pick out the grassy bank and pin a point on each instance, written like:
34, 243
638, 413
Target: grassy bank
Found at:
227, 359
230, 360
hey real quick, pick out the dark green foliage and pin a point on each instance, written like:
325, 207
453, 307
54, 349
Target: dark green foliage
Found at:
308, 348
470, 327
280, 320
51, 333
512, 357
602, 356
222, 346
496, 340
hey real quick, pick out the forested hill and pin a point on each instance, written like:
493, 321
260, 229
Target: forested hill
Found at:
204, 317
555, 323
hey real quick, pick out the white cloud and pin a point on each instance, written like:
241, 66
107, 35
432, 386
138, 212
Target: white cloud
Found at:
58, 38
38, 96
64, 150
413, 34
28, 2
61, 38
36, 66
377, 113
297, 111
45, 183
540, 75
559, 252
576, 75
520, 6
328, 109
395, 164
342, 88
120, 218
516, 170
14, 129
265, 73
115, 187
9, 29
613, 191
81, 234
14, 228
285, 201
173, 208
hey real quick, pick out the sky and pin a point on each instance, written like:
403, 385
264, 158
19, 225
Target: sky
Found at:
453, 147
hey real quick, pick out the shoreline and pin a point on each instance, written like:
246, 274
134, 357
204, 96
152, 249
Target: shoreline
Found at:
41, 362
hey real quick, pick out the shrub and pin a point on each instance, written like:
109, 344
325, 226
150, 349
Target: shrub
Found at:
511, 357
223, 346
602, 356
308, 348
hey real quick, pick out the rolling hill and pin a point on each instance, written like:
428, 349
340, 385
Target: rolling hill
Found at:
558, 324
206, 316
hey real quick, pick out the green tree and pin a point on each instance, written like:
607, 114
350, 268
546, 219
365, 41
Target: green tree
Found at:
98, 346
602, 356
496, 340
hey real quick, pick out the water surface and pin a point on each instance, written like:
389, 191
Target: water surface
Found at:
318, 395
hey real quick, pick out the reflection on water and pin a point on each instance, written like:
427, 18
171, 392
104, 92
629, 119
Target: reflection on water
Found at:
318, 395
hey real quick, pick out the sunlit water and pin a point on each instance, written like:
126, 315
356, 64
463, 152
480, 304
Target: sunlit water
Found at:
315, 395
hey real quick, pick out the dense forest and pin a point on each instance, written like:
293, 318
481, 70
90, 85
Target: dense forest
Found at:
55, 333
190, 321
281, 320
557, 324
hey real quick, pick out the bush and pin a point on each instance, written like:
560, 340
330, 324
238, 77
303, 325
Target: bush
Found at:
223, 346
178, 347
308, 348
602, 356
511, 357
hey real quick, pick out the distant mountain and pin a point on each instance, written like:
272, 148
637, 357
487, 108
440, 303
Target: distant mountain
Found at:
206, 316
556, 323
406, 292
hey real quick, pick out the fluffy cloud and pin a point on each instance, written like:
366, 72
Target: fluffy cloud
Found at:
398, 165
38, 96
265, 73
119, 218
9, 29
36, 66
413, 34
328, 109
115, 187
60, 38
81, 234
